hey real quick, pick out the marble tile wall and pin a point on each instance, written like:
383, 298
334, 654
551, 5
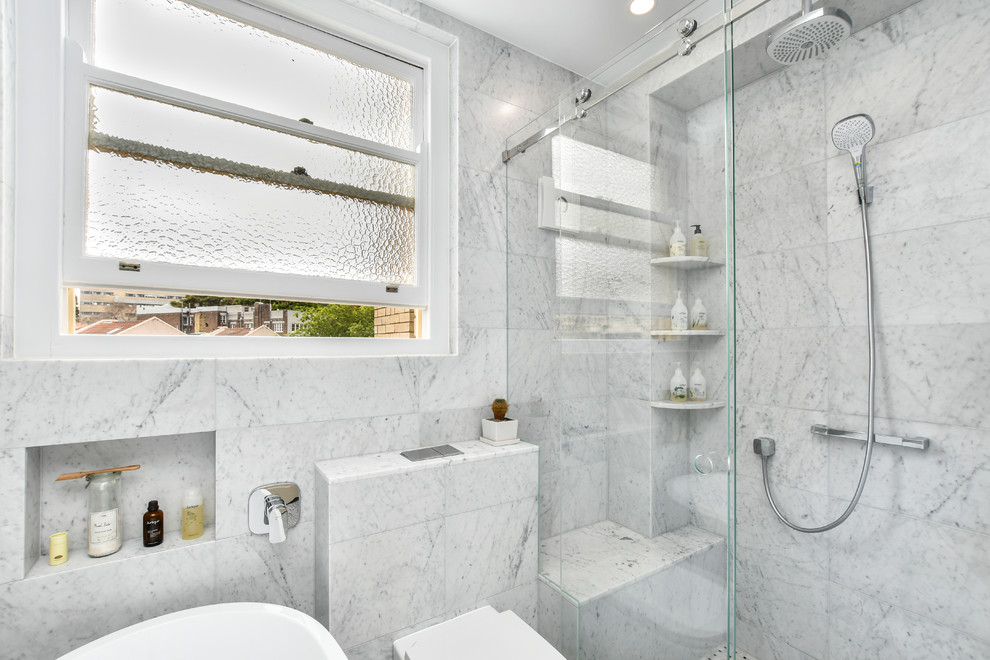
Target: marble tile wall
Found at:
860, 591
273, 418
432, 539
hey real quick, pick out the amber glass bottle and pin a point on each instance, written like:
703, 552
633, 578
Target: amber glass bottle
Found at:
154, 525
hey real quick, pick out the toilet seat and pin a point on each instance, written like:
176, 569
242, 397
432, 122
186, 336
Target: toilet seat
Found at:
483, 634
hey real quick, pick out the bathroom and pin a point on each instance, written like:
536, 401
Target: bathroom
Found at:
558, 171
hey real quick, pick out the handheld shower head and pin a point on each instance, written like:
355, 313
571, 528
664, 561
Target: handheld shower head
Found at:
852, 134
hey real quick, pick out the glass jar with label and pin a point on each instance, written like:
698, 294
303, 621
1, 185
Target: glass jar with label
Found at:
103, 527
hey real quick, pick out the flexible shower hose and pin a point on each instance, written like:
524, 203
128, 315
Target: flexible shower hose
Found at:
869, 400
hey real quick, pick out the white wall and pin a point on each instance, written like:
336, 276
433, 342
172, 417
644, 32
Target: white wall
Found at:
271, 418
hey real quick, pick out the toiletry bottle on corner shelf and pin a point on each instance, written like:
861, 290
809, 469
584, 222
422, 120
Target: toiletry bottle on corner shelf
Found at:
679, 314
697, 390
192, 513
699, 244
678, 244
678, 386
154, 525
699, 315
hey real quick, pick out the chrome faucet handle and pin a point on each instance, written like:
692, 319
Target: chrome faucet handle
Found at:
273, 509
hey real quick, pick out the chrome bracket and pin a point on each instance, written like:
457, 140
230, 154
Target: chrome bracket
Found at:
582, 96
686, 27
686, 47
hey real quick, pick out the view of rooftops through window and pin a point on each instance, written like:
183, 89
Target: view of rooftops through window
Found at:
109, 311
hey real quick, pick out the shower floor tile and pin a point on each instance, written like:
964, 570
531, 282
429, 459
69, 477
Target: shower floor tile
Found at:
599, 559
722, 653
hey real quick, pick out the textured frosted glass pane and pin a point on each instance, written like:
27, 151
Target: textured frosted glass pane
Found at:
131, 118
146, 210
178, 45
588, 170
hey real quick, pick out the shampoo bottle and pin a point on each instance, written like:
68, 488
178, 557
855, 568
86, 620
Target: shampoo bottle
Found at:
699, 244
696, 391
192, 513
679, 315
699, 315
678, 386
154, 525
678, 244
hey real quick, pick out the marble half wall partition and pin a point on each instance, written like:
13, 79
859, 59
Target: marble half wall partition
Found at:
409, 544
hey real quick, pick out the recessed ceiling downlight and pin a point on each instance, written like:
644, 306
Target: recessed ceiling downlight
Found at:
640, 7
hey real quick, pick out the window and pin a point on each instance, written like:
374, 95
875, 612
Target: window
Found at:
220, 148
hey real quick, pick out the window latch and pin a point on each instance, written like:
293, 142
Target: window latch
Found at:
391, 288
133, 267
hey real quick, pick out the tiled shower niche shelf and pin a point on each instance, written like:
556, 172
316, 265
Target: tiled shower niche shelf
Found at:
686, 263
690, 405
664, 334
130, 549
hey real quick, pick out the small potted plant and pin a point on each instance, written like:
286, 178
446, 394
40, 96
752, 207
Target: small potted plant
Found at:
499, 429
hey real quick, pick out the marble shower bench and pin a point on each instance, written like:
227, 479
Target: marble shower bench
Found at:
411, 544
611, 590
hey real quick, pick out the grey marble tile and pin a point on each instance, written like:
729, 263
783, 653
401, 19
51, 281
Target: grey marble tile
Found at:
470, 378
876, 553
368, 506
531, 293
248, 458
13, 531
481, 288
271, 392
482, 210
783, 367
863, 628
782, 211
671, 501
82, 605
62, 401
402, 567
794, 125
480, 484
787, 289
583, 495
927, 373
924, 276
169, 465
929, 178
801, 458
252, 569
524, 234
452, 425
558, 620
912, 72
943, 484
489, 551
781, 611
483, 124
533, 364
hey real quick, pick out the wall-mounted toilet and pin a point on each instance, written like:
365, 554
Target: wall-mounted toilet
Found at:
483, 634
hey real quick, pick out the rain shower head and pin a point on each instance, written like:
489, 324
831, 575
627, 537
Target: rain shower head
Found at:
809, 35
852, 134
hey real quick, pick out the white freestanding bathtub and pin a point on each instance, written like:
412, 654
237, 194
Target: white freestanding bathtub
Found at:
241, 631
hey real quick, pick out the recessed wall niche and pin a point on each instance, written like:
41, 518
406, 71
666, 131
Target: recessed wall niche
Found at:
169, 465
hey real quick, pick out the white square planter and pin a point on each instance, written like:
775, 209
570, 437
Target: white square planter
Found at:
503, 432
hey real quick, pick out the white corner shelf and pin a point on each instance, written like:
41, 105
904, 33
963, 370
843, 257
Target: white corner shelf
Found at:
686, 333
687, 263
689, 405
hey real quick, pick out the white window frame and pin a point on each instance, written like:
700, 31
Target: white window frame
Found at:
50, 74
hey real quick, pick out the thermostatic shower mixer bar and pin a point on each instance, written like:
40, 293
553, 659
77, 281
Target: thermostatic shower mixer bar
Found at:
895, 440
691, 33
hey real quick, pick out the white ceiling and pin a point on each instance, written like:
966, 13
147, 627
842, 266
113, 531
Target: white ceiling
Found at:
579, 35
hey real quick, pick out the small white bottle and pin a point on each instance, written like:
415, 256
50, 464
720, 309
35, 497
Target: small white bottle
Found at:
678, 386
699, 244
699, 315
678, 244
679, 315
697, 390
